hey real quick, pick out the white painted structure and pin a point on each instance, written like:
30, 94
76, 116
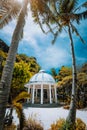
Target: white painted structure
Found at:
42, 88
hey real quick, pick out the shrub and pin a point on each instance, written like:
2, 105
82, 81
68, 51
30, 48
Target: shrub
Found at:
61, 124
80, 125
80, 104
66, 107
11, 127
58, 125
33, 124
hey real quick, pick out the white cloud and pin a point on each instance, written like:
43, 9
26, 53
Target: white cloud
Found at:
33, 43
8, 29
53, 57
32, 29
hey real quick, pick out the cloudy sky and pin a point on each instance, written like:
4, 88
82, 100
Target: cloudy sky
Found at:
37, 44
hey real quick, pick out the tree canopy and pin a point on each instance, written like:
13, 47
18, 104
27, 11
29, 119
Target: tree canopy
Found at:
24, 68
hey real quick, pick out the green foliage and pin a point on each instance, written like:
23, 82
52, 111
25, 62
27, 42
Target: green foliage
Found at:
65, 85
25, 67
84, 68
61, 124
65, 76
17, 105
22, 95
80, 104
61, 13
64, 71
21, 75
80, 125
66, 81
54, 73
58, 125
3, 54
31, 61
7, 13
21, 70
82, 78
68, 126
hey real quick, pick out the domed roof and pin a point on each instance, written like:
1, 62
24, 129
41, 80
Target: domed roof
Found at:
42, 76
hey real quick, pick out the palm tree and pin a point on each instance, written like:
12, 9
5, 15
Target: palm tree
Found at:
62, 14
54, 73
8, 68
66, 15
16, 104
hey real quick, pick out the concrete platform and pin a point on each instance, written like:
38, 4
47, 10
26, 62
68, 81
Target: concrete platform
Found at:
53, 105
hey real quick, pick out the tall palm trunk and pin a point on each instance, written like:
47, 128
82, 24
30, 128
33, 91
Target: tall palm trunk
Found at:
8, 69
72, 112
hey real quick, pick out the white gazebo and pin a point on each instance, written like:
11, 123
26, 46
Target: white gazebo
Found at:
42, 88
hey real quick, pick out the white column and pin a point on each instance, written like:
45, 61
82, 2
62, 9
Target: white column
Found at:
50, 94
55, 94
28, 92
41, 93
33, 94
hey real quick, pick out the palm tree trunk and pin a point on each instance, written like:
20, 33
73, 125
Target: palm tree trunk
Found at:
72, 112
8, 68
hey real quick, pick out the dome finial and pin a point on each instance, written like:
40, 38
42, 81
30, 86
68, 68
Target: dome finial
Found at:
42, 71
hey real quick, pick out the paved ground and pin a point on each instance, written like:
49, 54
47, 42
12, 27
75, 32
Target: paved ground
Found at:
49, 114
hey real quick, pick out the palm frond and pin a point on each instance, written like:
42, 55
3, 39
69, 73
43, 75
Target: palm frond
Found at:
46, 15
56, 35
71, 5
77, 33
75, 17
38, 20
22, 95
8, 10
75, 3
48, 25
60, 6
84, 5
52, 6
66, 6
19, 110
82, 15
53, 72
38, 6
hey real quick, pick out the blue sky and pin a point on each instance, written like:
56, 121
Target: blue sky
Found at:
37, 44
